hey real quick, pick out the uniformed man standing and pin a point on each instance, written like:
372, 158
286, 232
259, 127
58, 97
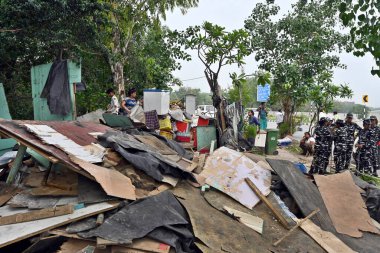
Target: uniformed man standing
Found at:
352, 128
375, 137
340, 145
364, 145
321, 155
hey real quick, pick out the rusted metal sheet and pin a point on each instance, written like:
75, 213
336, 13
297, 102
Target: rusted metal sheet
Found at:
78, 133
74, 130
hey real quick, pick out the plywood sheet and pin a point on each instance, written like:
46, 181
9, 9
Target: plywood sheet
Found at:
226, 170
325, 239
17, 232
345, 206
7, 192
112, 181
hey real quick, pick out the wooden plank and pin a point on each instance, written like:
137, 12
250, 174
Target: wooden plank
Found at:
36, 215
345, 205
327, 240
75, 245
276, 212
7, 192
251, 221
299, 223
304, 192
30, 145
20, 231
16, 164
144, 244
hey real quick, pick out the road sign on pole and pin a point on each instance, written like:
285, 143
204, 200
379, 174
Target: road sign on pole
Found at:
365, 98
263, 93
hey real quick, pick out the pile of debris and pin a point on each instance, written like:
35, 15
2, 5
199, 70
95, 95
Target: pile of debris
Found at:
85, 187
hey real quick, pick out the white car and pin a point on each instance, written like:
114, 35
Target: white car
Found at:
205, 110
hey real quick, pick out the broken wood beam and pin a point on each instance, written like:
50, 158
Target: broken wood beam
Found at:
36, 215
100, 219
261, 196
296, 226
16, 164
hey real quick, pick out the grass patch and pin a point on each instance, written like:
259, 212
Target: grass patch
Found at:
294, 148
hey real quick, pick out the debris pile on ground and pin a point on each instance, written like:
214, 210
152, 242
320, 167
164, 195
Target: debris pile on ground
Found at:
86, 187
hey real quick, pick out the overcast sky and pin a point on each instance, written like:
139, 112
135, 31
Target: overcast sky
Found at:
231, 14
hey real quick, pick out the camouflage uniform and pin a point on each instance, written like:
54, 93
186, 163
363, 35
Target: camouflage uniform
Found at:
351, 129
374, 138
322, 153
340, 148
364, 163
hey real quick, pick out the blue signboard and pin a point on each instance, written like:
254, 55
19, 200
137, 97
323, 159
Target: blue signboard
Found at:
263, 93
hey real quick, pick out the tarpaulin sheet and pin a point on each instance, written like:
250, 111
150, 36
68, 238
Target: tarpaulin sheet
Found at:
142, 157
57, 90
168, 223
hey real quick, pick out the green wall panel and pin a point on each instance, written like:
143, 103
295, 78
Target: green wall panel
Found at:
39, 75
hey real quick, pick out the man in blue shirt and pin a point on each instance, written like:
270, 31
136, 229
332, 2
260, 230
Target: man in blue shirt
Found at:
252, 119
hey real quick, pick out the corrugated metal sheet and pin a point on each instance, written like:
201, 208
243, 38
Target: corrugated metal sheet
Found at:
77, 133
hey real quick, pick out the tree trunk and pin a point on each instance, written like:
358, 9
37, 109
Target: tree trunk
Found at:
118, 77
288, 114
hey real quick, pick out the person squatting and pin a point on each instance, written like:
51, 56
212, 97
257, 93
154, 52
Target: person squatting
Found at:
342, 135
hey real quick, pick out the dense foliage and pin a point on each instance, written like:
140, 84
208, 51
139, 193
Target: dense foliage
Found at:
296, 48
362, 17
116, 41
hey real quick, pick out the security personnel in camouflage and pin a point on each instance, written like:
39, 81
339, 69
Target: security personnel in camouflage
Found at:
375, 137
352, 128
322, 154
364, 145
340, 145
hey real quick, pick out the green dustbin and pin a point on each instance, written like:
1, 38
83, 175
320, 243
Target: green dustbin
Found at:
271, 142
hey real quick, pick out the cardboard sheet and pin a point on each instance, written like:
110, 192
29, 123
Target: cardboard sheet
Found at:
226, 170
344, 204
112, 181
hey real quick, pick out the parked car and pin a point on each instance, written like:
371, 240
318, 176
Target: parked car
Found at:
206, 110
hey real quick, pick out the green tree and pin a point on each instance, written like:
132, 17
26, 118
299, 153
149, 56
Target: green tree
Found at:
126, 21
324, 92
363, 18
248, 91
295, 48
216, 48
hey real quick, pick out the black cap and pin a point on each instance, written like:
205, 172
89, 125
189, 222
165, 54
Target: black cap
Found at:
366, 122
372, 117
339, 123
349, 115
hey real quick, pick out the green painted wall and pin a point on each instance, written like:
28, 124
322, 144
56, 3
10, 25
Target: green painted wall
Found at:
39, 75
4, 110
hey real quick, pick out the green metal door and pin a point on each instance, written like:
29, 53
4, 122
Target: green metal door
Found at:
39, 75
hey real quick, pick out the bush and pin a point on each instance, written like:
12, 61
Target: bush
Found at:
249, 131
285, 128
